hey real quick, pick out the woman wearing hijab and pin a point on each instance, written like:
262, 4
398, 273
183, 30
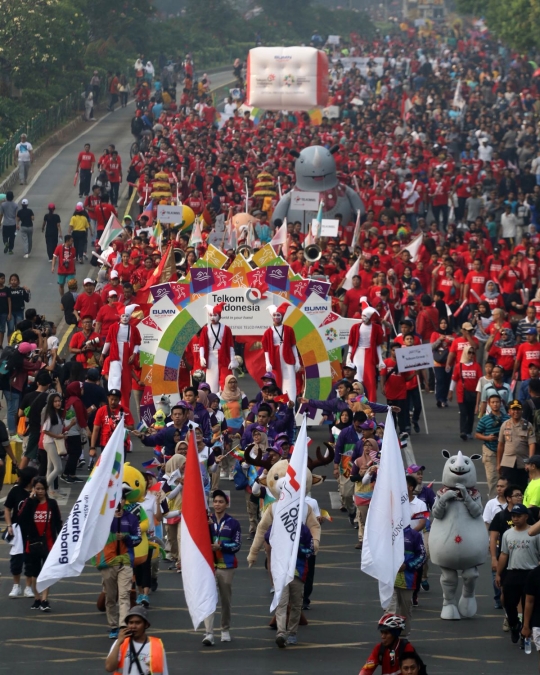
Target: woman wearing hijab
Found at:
481, 319
504, 352
76, 423
174, 502
234, 404
440, 341
345, 420
465, 379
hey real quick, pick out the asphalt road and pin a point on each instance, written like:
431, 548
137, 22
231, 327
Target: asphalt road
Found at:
342, 621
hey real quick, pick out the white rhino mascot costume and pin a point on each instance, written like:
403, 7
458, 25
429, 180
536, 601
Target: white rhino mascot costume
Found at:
315, 169
458, 539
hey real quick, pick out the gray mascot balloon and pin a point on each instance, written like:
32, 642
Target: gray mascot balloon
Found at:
315, 169
458, 538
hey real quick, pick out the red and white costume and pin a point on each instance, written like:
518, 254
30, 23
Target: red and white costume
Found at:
280, 352
365, 351
216, 349
123, 341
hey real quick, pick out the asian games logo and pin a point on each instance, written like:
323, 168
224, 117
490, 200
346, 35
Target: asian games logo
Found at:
271, 77
288, 80
331, 334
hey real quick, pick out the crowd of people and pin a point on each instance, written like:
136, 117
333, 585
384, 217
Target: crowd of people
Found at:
437, 132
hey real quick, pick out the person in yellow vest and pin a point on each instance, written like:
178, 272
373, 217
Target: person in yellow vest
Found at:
134, 652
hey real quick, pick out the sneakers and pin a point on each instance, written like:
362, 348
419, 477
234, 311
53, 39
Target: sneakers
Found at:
352, 516
113, 634
514, 632
281, 641
138, 601
66, 479
6, 247
222, 475
80, 463
463, 437
45, 607
16, 438
28, 592
291, 640
416, 427
154, 585
76, 479
305, 606
145, 600
415, 600
208, 640
225, 636
36, 605
506, 625
498, 605
231, 475
16, 591
25, 255
425, 585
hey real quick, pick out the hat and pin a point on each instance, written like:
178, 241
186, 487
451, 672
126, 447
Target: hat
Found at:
496, 249
128, 217
24, 202
26, 347
88, 280
276, 449
282, 309
135, 253
467, 326
183, 404
113, 294
51, 206
515, 404
350, 367
138, 610
203, 385
414, 468
72, 283
114, 274
115, 392
534, 460
269, 376
220, 493
129, 309
531, 331
217, 309
368, 424
92, 374
79, 207
520, 510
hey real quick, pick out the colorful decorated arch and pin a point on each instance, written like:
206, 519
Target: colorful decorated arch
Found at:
247, 288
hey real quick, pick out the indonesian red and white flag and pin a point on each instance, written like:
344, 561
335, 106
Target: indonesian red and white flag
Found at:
414, 247
195, 545
347, 284
280, 238
288, 513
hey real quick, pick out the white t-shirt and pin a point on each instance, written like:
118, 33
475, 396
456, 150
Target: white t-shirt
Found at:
130, 668
149, 505
416, 506
24, 151
492, 508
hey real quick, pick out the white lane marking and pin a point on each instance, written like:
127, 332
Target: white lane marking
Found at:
335, 500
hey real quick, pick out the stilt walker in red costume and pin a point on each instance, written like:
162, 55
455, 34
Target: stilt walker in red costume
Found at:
123, 342
216, 349
365, 350
280, 352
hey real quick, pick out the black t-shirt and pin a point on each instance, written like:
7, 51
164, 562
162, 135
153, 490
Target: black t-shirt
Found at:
16, 496
25, 216
4, 440
51, 220
532, 587
36, 401
5, 293
18, 297
68, 304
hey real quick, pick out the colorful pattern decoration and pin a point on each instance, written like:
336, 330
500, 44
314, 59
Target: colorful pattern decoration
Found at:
246, 288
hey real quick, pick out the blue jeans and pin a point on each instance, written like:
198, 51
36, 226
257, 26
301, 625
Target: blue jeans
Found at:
12, 400
442, 384
16, 317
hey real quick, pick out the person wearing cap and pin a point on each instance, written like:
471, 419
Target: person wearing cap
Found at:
107, 419
85, 344
226, 536
64, 254
365, 460
52, 229
280, 352
467, 339
516, 443
532, 492
115, 562
216, 349
365, 350
107, 315
487, 430
170, 435
388, 652
25, 223
79, 225
135, 652
24, 156
88, 303
113, 285
520, 553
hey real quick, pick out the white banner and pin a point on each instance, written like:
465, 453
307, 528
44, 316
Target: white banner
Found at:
329, 228
417, 357
87, 528
304, 201
169, 214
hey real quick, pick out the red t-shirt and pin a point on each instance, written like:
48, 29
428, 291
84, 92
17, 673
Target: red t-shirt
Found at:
114, 170
395, 388
43, 524
466, 377
352, 301
528, 352
107, 315
86, 159
108, 422
77, 341
459, 344
504, 356
88, 304
477, 283
508, 278
66, 259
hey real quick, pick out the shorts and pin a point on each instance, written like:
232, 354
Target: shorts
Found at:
62, 278
33, 564
31, 450
536, 638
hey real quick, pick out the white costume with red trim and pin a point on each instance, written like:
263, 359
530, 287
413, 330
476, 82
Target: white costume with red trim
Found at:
281, 354
216, 348
123, 340
365, 352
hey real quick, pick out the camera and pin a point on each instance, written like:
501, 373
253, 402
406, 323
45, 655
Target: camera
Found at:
94, 342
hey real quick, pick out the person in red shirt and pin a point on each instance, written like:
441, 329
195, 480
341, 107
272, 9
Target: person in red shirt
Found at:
394, 386
107, 315
439, 191
509, 275
351, 300
427, 320
504, 351
91, 203
85, 344
85, 168
391, 650
492, 296
106, 420
113, 285
460, 343
64, 254
88, 303
414, 399
103, 213
528, 352
474, 286
464, 380
124, 268
376, 203
113, 167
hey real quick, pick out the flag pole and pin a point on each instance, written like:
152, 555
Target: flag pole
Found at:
422, 403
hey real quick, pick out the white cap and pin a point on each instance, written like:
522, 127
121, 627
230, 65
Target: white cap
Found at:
78, 204
130, 309
369, 312
111, 293
25, 202
114, 274
88, 281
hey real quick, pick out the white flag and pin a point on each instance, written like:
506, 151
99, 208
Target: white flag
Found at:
383, 552
88, 526
196, 234
347, 284
458, 101
356, 235
288, 513
414, 247
112, 230
280, 238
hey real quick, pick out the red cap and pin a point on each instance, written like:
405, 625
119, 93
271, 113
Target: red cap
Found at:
135, 253
51, 206
283, 308
218, 309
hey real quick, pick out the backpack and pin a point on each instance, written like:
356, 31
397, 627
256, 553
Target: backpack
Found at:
535, 419
10, 361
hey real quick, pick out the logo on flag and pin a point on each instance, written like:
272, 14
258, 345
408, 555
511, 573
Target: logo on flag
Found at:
150, 323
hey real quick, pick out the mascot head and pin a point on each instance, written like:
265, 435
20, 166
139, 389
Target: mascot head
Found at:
316, 169
459, 469
134, 481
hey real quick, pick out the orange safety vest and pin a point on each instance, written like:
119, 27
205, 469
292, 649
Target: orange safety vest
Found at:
156, 656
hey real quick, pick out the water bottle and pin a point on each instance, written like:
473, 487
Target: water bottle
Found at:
527, 645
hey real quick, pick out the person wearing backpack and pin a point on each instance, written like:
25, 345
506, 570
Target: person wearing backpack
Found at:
391, 649
531, 410
15, 365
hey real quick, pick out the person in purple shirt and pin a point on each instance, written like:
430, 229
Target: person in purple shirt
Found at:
427, 495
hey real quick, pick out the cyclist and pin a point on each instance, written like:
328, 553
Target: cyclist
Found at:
389, 652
